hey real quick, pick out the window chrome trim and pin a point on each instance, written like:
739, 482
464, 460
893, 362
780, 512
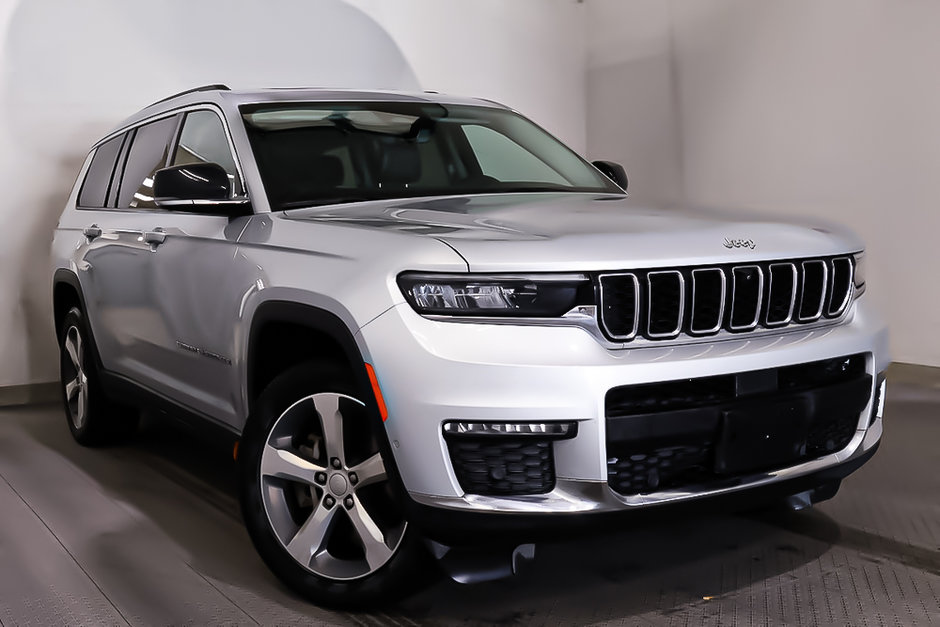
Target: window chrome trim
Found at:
770, 293
201, 106
636, 305
822, 298
649, 304
760, 298
721, 306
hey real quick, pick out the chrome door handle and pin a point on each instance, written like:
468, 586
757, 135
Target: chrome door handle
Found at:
92, 232
155, 237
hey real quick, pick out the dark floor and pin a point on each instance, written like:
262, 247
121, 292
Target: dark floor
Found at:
149, 534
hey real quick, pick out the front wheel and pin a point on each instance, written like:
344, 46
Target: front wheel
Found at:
316, 495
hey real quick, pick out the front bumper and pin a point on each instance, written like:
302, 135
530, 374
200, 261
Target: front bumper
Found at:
434, 371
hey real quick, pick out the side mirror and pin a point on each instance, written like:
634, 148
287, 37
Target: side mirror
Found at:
193, 181
613, 171
199, 188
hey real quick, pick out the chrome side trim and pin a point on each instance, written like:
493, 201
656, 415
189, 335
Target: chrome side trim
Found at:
636, 305
822, 299
770, 293
760, 297
649, 304
835, 312
584, 318
721, 306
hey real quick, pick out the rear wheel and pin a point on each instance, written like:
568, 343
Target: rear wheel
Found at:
92, 418
316, 494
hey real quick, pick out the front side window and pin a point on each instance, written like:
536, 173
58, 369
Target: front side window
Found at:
203, 140
327, 153
148, 154
94, 193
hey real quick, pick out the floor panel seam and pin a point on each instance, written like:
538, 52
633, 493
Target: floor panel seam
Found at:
225, 596
67, 552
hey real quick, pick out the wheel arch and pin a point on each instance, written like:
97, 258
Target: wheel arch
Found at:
285, 333
66, 293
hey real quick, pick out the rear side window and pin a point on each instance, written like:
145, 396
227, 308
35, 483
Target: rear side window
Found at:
97, 182
148, 154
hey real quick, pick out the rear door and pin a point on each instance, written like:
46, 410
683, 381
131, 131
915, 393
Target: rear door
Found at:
113, 213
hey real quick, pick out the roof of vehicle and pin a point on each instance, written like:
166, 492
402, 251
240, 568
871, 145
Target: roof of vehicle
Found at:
222, 95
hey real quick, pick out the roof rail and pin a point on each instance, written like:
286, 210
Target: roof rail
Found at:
216, 87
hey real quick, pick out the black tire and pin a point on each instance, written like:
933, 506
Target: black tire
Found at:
284, 515
92, 418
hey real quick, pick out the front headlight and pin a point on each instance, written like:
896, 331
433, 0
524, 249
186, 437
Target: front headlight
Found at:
859, 274
538, 296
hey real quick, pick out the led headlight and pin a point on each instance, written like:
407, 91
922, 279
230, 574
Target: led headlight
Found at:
546, 295
859, 274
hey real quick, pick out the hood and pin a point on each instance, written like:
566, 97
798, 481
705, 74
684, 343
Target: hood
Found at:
566, 232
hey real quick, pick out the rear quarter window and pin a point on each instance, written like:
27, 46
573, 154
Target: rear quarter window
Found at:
97, 183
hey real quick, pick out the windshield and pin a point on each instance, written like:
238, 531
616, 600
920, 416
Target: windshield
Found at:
326, 153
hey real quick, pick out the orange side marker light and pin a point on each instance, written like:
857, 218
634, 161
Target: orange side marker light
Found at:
377, 391
235, 450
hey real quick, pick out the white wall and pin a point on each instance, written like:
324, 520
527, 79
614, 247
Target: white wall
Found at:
69, 71
632, 110
813, 108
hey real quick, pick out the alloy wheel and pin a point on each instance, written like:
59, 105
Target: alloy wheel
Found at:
74, 377
324, 489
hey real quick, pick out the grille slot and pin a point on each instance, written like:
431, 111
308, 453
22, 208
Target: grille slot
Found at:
620, 300
840, 286
662, 304
782, 294
814, 290
708, 300
747, 287
666, 303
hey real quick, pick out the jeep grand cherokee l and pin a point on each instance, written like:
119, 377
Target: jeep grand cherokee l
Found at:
429, 324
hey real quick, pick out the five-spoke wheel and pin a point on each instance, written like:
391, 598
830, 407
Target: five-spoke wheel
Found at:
318, 496
93, 419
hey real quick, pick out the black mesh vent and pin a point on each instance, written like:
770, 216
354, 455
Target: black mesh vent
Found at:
675, 434
665, 303
839, 285
619, 304
746, 286
780, 297
814, 288
826, 372
708, 296
503, 466
829, 436
656, 397
639, 471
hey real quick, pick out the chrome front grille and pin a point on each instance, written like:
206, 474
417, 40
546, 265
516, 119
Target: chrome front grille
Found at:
660, 304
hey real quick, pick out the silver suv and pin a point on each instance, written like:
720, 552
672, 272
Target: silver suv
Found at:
431, 330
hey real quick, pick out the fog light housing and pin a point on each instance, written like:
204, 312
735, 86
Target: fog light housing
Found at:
505, 458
